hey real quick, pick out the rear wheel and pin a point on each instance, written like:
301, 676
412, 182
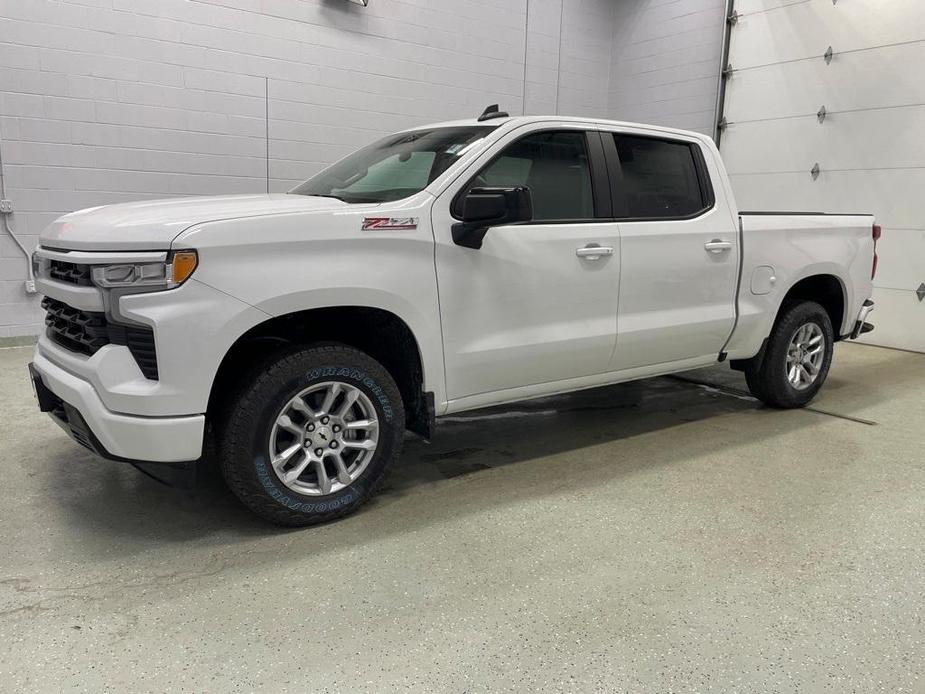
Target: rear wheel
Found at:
796, 359
311, 434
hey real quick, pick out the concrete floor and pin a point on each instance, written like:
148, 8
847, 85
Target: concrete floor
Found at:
661, 536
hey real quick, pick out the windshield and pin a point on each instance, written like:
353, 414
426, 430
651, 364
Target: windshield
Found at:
395, 167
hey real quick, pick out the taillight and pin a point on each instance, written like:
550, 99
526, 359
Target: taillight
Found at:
875, 233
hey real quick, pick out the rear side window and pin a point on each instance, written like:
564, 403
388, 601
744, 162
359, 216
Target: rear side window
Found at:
661, 178
556, 168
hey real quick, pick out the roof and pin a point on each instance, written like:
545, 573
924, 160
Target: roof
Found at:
515, 121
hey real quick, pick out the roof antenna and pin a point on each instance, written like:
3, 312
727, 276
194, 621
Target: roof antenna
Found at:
492, 112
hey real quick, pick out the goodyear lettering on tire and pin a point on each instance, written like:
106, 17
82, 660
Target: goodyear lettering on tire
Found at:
263, 474
360, 377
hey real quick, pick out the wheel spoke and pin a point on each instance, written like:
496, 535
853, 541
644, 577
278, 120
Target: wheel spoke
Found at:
298, 404
287, 455
362, 424
342, 475
329, 398
349, 399
293, 474
815, 340
804, 374
814, 352
792, 374
324, 482
810, 368
365, 444
287, 424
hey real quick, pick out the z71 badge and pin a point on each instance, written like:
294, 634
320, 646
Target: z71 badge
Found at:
389, 223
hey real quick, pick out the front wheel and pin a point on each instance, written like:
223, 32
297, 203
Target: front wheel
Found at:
796, 359
310, 435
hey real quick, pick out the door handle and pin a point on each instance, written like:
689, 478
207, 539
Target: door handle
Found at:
718, 246
594, 252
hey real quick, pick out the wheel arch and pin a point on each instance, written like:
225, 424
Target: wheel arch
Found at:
381, 333
827, 290
822, 287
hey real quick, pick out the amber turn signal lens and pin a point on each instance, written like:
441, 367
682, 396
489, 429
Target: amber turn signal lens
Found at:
183, 264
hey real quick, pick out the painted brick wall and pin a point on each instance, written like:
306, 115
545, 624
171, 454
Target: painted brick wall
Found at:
581, 32
666, 59
106, 101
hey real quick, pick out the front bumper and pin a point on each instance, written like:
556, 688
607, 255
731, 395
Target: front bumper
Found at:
75, 405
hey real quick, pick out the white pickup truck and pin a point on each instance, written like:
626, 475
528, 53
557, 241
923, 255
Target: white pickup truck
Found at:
441, 269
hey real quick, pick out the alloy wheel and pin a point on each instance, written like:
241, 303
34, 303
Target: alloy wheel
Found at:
805, 355
324, 438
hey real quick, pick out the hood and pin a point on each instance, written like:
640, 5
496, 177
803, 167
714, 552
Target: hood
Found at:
153, 224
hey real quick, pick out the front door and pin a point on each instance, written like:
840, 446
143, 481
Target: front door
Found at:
533, 305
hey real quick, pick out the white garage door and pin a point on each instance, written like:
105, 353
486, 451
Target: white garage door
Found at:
870, 145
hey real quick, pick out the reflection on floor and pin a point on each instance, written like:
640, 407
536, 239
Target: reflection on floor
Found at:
665, 535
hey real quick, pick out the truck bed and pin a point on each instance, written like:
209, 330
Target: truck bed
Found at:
779, 249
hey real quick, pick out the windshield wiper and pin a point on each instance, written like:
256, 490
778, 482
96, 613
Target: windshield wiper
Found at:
326, 195
349, 201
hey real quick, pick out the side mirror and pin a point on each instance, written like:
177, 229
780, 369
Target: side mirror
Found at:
484, 208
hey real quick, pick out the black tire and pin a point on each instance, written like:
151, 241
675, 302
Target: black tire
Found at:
245, 428
766, 374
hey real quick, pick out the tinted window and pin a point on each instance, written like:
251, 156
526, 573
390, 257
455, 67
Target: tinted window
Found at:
394, 167
554, 165
659, 178
398, 172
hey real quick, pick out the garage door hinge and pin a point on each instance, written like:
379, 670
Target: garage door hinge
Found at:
728, 70
723, 124
814, 172
920, 292
733, 18
820, 114
828, 55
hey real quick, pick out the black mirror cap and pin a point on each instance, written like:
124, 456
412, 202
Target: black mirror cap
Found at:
498, 205
484, 205
484, 208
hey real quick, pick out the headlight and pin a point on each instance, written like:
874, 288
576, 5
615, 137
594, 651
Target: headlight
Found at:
167, 275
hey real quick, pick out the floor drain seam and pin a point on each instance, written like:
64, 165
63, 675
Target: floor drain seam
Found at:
727, 390
848, 417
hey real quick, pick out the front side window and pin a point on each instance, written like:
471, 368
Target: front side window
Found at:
554, 166
660, 178
395, 167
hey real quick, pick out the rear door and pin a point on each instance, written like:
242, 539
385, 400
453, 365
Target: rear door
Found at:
534, 304
679, 248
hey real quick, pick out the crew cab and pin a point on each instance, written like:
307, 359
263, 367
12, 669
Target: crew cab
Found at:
444, 268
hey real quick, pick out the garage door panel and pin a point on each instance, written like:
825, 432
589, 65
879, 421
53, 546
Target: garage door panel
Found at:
805, 30
899, 320
855, 82
744, 7
889, 138
870, 147
895, 197
902, 259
